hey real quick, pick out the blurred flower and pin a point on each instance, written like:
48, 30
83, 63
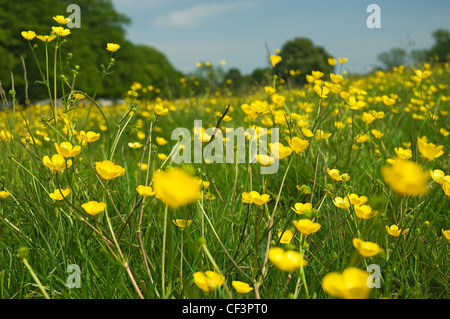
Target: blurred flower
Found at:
275, 59
446, 233
288, 261
422, 74
134, 145
286, 236
108, 170
254, 197
306, 226
59, 194
112, 47
297, 144
241, 287
208, 281
364, 211
403, 153
182, 223
4, 194
93, 207
60, 19
332, 61
176, 188
145, 191
264, 159
57, 163
334, 174
67, 150
366, 248
279, 150
300, 207
446, 188
160, 109
341, 202
406, 178
357, 200
89, 136
351, 284
343, 60
161, 141
29, 35
321, 135
429, 151
46, 38
395, 231
61, 31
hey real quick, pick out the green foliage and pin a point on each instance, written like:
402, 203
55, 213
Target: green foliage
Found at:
301, 54
100, 24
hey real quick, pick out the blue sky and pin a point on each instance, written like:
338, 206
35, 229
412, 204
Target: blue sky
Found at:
237, 31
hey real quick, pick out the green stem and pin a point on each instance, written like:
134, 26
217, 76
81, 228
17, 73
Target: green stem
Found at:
163, 259
36, 279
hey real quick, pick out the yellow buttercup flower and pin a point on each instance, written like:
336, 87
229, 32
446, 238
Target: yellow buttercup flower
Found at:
306, 226
175, 187
275, 59
341, 202
90, 136
46, 38
61, 31
332, 61
161, 141
366, 248
288, 261
108, 170
321, 135
343, 60
364, 211
93, 207
67, 150
134, 145
286, 236
351, 284
264, 159
60, 19
429, 151
279, 150
439, 176
300, 207
241, 287
254, 197
403, 153
446, 233
112, 47
446, 188
357, 200
57, 163
334, 174
406, 178
145, 191
160, 109
208, 281
395, 231
336, 78
422, 74
29, 35
4, 194
297, 144
182, 223
59, 194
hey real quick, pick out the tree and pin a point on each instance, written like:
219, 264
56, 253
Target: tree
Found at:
441, 47
301, 54
100, 24
392, 58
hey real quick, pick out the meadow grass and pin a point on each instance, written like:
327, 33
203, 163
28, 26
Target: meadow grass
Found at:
133, 249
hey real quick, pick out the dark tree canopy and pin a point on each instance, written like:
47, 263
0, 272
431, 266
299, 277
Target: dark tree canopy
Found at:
301, 54
100, 24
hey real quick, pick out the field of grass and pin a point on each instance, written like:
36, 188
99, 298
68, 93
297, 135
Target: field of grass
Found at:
358, 155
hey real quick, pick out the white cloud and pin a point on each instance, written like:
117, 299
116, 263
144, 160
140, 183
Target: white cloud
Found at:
191, 17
